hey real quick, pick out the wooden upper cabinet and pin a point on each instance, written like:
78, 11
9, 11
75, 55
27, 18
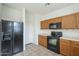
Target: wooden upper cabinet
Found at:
54, 20
77, 20
50, 21
59, 19
44, 24
69, 21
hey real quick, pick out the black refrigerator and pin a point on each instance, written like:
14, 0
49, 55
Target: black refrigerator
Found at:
12, 41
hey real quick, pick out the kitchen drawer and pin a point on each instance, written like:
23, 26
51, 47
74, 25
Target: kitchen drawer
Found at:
75, 43
44, 37
64, 41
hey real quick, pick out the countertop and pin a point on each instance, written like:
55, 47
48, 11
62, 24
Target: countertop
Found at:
44, 34
70, 38
64, 37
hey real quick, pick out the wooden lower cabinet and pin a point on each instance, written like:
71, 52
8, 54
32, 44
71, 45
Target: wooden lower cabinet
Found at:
75, 51
74, 48
65, 47
69, 47
42, 40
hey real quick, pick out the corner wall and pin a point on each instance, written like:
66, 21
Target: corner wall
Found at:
32, 27
29, 27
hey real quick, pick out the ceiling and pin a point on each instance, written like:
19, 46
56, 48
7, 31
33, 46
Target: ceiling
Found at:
39, 8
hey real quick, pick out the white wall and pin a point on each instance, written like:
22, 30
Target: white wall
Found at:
62, 12
24, 27
9, 13
29, 27
36, 28
32, 27
0, 11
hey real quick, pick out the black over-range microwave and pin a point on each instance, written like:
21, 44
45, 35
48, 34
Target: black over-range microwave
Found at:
55, 25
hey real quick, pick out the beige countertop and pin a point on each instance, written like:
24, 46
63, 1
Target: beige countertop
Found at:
64, 37
70, 38
44, 34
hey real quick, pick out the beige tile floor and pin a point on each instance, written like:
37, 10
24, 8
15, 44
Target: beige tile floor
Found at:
36, 50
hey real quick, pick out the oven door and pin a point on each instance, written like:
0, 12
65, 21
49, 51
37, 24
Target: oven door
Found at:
53, 44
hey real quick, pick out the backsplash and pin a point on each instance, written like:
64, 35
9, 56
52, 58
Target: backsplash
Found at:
66, 32
71, 33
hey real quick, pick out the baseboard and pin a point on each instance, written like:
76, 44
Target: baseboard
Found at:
28, 44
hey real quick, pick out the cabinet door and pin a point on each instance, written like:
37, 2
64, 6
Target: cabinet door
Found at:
54, 20
75, 48
44, 24
69, 21
62, 49
65, 47
59, 19
77, 20
42, 40
45, 41
50, 21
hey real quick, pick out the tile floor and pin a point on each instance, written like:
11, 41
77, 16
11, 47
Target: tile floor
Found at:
36, 50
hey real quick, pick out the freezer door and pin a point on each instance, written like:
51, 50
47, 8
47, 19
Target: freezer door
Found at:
7, 26
6, 45
1, 37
